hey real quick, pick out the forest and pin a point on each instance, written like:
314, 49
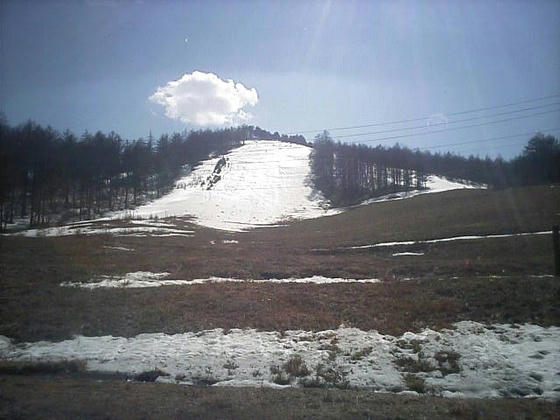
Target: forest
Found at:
47, 176
349, 173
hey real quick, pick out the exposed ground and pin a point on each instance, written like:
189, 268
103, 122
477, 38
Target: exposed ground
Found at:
487, 280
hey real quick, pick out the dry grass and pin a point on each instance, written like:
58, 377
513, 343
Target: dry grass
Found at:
54, 313
43, 397
460, 212
445, 289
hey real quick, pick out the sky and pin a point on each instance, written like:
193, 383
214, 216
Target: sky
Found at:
288, 66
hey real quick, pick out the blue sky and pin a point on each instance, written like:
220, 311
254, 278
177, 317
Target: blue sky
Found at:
95, 64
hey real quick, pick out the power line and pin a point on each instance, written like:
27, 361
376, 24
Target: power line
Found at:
427, 117
383, 139
484, 140
445, 123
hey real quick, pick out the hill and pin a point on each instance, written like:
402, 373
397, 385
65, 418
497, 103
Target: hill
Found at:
259, 183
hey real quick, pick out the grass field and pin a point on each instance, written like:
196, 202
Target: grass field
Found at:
500, 280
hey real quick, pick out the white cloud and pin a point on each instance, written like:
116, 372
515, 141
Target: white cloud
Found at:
204, 99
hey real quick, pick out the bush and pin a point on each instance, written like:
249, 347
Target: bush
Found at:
296, 366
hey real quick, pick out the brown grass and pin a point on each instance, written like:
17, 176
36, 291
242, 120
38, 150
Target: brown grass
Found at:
63, 397
54, 313
34, 307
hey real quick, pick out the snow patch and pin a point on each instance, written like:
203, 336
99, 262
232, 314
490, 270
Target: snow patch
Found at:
313, 279
138, 279
91, 229
141, 279
451, 239
434, 184
470, 360
402, 254
118, 248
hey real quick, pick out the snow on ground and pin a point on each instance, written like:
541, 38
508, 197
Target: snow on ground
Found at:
404, 254
434, 184
451, 239
118, 248
147, 279
260, 183
95, 228
470, 360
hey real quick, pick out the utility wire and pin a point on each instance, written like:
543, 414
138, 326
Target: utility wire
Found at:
427, 117
383, 139
448, 122
484, 140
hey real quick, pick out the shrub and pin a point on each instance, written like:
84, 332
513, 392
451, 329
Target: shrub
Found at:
414, 383
295, 366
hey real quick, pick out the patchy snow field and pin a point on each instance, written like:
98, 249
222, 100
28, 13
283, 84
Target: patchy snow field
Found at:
471, 360
141, 279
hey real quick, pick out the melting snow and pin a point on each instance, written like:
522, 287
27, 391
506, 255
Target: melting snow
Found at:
93, 229
454, 238
260, 183
471, 360
147, 279
118, 248
137, 279
434, 184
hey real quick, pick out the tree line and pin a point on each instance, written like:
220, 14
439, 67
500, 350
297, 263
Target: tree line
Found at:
349, 173
47, 175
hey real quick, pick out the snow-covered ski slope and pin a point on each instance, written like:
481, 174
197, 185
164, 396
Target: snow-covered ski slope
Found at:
261, 183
